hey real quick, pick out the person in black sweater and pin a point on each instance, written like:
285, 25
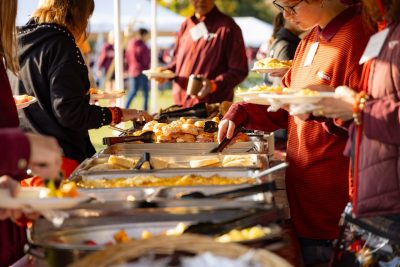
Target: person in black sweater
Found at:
53, 70
283, 47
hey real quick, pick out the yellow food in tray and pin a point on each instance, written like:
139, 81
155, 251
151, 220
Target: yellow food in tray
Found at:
153, 181
251, 233
273, 63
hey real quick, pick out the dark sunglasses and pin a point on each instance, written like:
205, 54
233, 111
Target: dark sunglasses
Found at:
288, 9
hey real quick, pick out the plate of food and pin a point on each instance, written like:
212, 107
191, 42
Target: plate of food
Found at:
269, 65
22, 101
99, 94
256, 90
159, 73
42, 198
303, 96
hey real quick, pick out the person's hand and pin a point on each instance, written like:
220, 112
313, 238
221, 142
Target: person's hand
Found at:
205, 90
45, 160
278, 73
226, 128
135, 115
341, 106
6, 182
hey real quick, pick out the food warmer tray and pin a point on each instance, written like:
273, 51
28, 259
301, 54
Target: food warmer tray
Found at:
256, 145
260, 161
170, 192
44, 239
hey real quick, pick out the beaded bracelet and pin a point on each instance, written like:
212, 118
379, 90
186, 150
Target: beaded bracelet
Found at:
358, 106
116, 115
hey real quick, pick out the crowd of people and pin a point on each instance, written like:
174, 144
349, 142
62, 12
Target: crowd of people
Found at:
358, 130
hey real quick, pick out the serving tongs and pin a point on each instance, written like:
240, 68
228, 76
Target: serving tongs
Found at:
225, 142
244, 191
199, 110
146, 137
144, 158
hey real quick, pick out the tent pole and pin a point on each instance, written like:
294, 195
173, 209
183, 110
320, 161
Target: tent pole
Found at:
118, 57
154, 59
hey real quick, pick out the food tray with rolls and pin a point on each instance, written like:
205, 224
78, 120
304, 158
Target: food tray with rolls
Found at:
257, 144
131, 163
168, 183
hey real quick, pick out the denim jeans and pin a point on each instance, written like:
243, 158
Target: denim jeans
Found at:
316, 251
138, 82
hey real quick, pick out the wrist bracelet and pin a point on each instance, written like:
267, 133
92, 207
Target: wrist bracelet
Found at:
358, 106
116, 115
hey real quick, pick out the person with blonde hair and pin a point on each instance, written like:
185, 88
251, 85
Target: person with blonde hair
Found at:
19, 150
53, 70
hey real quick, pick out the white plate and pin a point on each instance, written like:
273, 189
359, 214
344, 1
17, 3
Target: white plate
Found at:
248, 93
296, 99
253, 97
31, 198
256, 100
24, 105
268, 70
157, 74
106, 95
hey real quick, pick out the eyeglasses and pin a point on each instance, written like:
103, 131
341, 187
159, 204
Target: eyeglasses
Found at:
289, 9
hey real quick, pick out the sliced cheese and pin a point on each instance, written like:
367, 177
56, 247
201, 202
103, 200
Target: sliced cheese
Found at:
204, 162
122, 161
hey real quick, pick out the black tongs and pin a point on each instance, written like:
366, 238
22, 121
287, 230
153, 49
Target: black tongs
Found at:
199, 110
146, 137
225, 142
144, 158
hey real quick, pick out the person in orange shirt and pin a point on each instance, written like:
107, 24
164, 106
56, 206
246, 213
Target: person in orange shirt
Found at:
316, 179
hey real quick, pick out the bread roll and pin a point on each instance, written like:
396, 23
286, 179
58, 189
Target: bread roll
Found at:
189, 129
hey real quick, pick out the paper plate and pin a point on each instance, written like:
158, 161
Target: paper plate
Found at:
296, 99
25, 104
107, 95
157, 74
33, 198
269, 70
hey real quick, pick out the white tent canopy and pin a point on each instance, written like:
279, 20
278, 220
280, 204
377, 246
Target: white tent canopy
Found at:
255, 31
137, 12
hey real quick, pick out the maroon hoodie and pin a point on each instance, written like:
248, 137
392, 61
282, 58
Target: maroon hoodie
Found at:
12, 237
378, 191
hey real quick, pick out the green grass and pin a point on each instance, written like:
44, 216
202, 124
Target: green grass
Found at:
164, 100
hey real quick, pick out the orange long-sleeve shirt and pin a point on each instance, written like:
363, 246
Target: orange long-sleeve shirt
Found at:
317, 177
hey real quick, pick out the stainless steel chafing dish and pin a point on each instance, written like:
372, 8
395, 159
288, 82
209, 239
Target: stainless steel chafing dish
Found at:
169, 192
98, 222
260, 143
253, 161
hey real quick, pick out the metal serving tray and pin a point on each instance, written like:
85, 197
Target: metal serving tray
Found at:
256, 145
259, 161
141, 192
44, 238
